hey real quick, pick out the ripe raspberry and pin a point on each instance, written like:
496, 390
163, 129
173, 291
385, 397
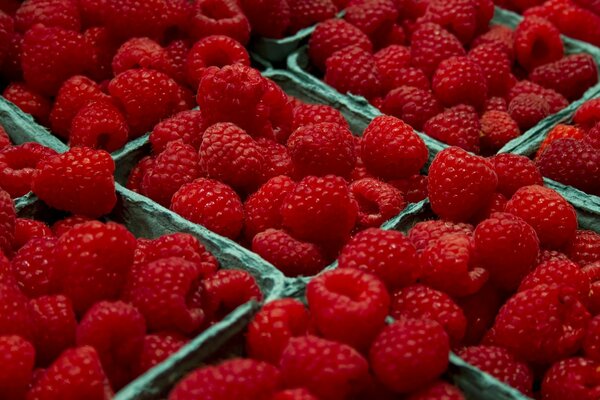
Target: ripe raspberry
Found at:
268, 18
460, 184
140, 53
409, 76
63, 226
219, 17
528, 109
457, 126
28, 229
556, 101
497, 129
377, 202
560, 273
333, 35
541, 325
80, 181
496, 104
232, 379
587, 115
184, 246
480, 309
294, 394
99, 125
460, 80
514, 172
330, 370
575, 378
591, 343
213, 51
391, 61
11, 67
4, 139
14, 316
187, 126
496, 204
560, 131
537, 42
277, 158
7, 222
585, 248
62, 13
212, 204
552, 217
320, 209
307, 114
273, 326
157, 348
304, 13
375, 18
430, 45
412, 104
226, 290
592, 137
35, 268
438, 390
353, 70
428, 231
501, 364
103, 46
177, 52
495, 65
570, 76
17, 166
17, 362
29, 101
409, 336
76, 374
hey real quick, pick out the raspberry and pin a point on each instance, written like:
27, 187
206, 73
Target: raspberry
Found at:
177, 53
587, 115
63, 226
514, 172
76, 374
320, 209
99, 125
412, 104
307, 114
305, 13
277, 158
273, 326
232, 379
28, 229
585, 248
294, 394
409, 76
321, 149
330, 370
556, 101
4, 139
552, 217
547, 255
35, 267
157, 348
226, 290
528, 109
213, 51
14, 316
430, 45
391, 61
464, 18
80, 181
561, 273
501, 364
61, 13
591, 343
353, 70
333, 35
459, 80
103, 46
29, 101
457, 126
496, 204
497, 129
428, 231
496, 104
460, 184
17, 361
560, 131
494, 64
375, 17
537, 42
480, 309
187, 126
541, 325
17, 166
212, 204
409, 336
593, 137
11, 67
499, 34
140, 53
219, 17
438, 390
268, 18
377, 202
570, 76
575, 378
413, 189
7, 222
74, 94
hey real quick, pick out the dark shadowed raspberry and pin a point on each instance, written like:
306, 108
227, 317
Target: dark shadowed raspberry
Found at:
268, 18
457, 126
427, 231
140, 53
226, 290
412, 104
593, 271
333, 35
414, 188
422, 302
391, 61
496, 104
460, 80
76, 374
7, 222
29, 101
294, 394
330, 370
574, 378
320, 209
348, 306
134, 181
17, 359
585, 248
187, 126
480, 309
306, 114
17, 166
402, 373
64, 225
570, 76
537, 42
99, 125
292, 257
28, 229
213, 51
377, 202
353, 70
561, 273
35, 268
59, 13
552, 217
80, 181
11, 67
437, 391
541, 325
212, 204
103, 47
4, 139
321, 149
273, 326
460, 184
514, 172
304, 13
156, 348
501, 364
233, 379
495, 65
430, 45
587, 115
591, 343
497, 129
375, 17
496, 204
556, 101
219, 17
14, 315
528, 109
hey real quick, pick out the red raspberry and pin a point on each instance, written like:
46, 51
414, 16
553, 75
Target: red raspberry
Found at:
412, 104
541, 325
501, 364
498, 34
14, 316
5, 141
103, 46
591, 343
99, 125
187, 126
496, 104
76, 374
409, 76
304, 13
7, 222
273, 326
592, 137
17, 359
460, 184
496, 204
35, 267
333, 35
575, 378
480, 309
320, 209
11, 67
219, 17
438, 390
80, 181
277, 158
140, 53
464, 18
494, 64
330, 370
29, 101
226, 290
514, 172
457, 126
413, 189
585, 248
377, 202
321, 149
570, 76
391, 61
63, 226
497, 129
587, 115
353, 70
74, 94
430, 45
268, 18
294, 394
556, 101
233, 379
61, 13
177, 52
537, 42
547, 255
560, 131
428, 231
28, 229
17, 166
134, 181
528, 109
460, 80
307, 114
213, 51
552, 217
211, 204
409, 336
157, 348
560, 273
375, 17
